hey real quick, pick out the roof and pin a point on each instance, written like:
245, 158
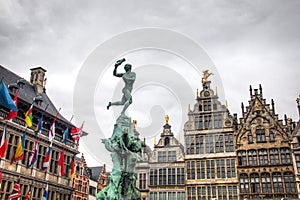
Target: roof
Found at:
95, 172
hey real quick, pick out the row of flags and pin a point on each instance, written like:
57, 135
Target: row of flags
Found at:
12, 104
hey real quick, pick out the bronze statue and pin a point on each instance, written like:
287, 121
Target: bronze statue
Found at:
129, 78
206, 74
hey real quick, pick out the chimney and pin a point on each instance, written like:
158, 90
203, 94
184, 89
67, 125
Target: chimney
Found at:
37, 78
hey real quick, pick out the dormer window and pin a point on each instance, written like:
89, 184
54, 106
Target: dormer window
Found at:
167, 141
260, 135
207, 105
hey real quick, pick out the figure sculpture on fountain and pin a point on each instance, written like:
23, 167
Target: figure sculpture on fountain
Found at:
123, 147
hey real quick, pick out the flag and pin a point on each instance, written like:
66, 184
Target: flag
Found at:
76, 133
34, 154
73, 164
45, 196
65, 136
5, 98
39, 126
28, 195
16, 193
3, 144
61, 163
13, 114
47, 158
19, 154
52, 129
58, 196
28, 116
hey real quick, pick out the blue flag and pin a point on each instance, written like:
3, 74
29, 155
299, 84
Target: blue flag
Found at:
45, 196
65, 136
39, 126
5, 98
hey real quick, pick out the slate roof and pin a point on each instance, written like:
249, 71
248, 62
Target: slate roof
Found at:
95, 172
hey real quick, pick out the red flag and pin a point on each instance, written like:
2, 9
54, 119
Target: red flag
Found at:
52, 128
76, 133
16, 193
3, 144
61, 163
12, 114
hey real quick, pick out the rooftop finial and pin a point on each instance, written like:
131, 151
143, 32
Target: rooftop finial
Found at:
250, 89
216, 91
226, 104
197, 93
206, 74
154, 140
134, 123
167, 119
189, 108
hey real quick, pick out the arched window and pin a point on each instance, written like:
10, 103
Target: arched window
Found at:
242, 159
244, 183
274, 156
285, 155
252, 157
277, 182
167, 141
254, 182
263, 156
266, 183
289, 182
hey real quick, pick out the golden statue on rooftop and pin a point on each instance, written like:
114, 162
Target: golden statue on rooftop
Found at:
206, 74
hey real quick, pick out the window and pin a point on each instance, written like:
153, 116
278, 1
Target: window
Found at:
289, 182
190, 147
218, 121
180, 195
298, 162
191, 193
171, 156
142, 181
162, 156
254, 182
162, 196
209, 143
250, 138
230, 166
210, 169
162, 177
199, 144
263, 157
207, 105
260, 135
171, 176
219, 143
274, 156
79, 185
272, 136
191, 170
277, 182
171, 195
266, 183
153, 176
242, 159
199, 122
211, 192
201, 169
252, 157
153, 196
92, 191
244, 183
229, 143
285, 156
167, 141
207, 122
222, 193
180, 176
201, 193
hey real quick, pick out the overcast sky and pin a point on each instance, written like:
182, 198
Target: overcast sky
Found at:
249, 42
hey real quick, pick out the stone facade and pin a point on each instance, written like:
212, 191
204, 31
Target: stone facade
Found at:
265, 167
34, 178
210, 159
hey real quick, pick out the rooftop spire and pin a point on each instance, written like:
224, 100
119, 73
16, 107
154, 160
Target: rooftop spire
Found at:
167, 119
